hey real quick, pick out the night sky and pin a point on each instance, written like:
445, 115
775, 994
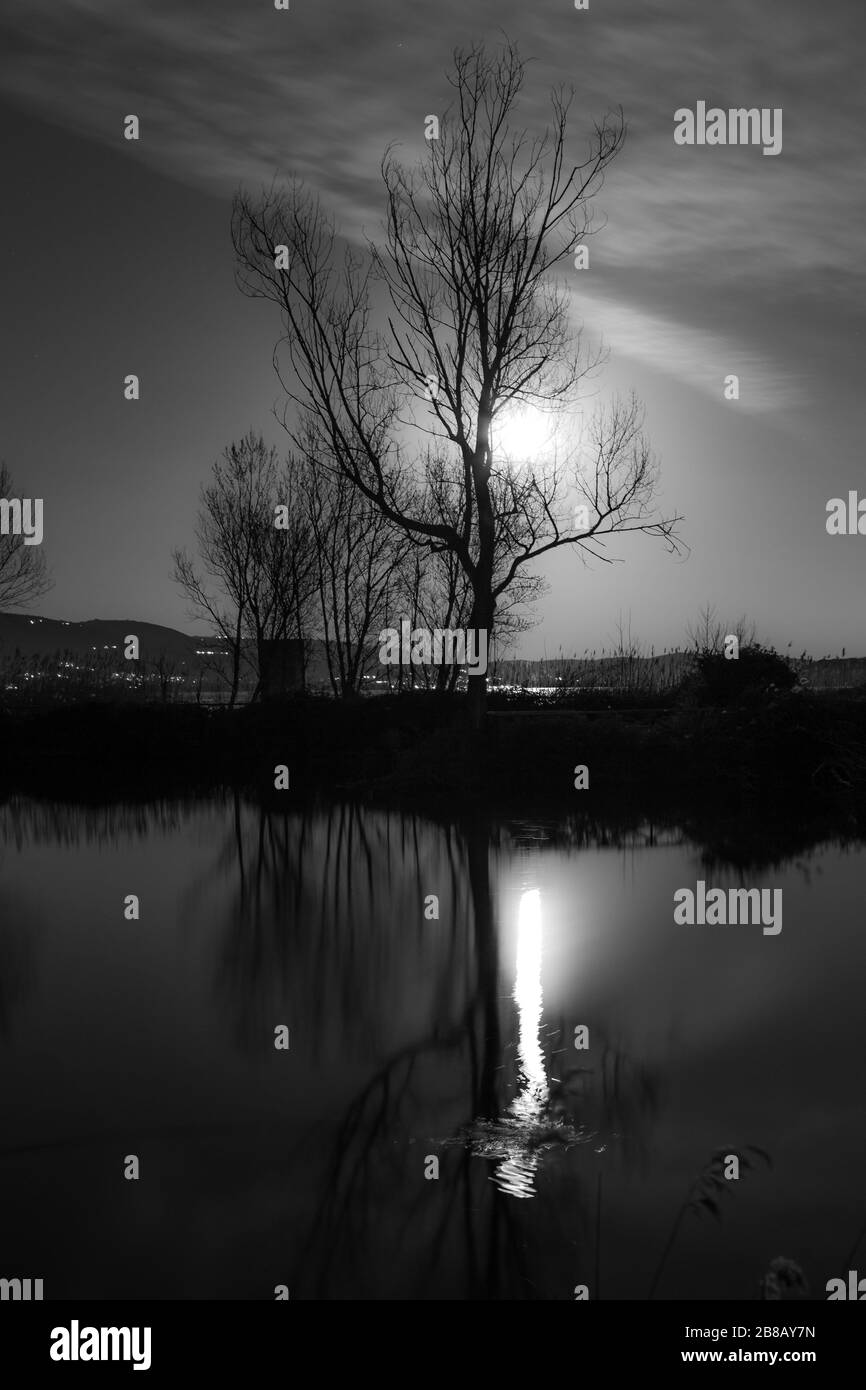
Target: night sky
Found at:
117, 259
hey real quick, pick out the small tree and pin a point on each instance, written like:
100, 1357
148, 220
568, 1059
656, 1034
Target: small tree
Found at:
357, 554
707, 634
436, 592
253, 580
756, 673
282, 578
715, 678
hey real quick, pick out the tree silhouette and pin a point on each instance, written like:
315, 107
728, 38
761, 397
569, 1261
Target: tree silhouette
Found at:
476, 328
255, 582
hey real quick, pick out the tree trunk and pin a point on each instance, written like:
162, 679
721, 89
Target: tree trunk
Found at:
236, 661
480, 621
482, 585
477, 703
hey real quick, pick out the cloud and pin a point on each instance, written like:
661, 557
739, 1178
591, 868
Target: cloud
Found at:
324, 88
229, 93
700, 358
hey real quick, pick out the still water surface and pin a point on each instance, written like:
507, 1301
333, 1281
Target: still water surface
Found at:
414, 1038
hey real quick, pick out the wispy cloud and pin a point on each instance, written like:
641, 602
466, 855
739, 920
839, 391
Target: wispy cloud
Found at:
321, 89
229, 93
700, 358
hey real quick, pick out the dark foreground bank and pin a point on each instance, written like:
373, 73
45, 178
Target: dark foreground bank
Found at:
802, 755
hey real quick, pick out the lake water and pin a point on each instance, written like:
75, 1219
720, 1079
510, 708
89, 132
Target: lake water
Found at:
415, 1040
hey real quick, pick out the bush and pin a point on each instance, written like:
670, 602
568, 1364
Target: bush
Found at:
757, 673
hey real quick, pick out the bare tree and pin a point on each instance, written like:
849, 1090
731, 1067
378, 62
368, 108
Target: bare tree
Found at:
23, 568
477, 327
438, 590
225, 543
431, 592
282, 579
707, 634
357, 553
253, 578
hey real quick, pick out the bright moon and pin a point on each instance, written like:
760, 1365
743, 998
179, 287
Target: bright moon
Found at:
522, 435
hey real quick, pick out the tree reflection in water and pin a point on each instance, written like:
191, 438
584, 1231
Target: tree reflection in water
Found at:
326, 927
411, 1039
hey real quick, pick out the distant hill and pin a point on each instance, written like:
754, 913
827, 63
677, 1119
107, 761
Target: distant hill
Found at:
34, 636
101, 641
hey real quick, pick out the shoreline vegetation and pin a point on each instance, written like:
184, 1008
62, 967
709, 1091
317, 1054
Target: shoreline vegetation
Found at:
795, 757
756, 758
